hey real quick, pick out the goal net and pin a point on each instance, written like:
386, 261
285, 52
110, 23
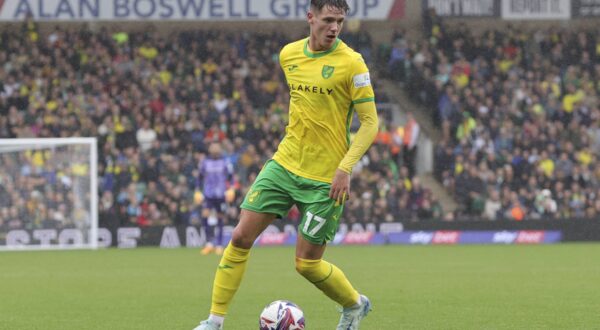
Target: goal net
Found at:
48, 194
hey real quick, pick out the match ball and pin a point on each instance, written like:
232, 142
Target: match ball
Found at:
281, 315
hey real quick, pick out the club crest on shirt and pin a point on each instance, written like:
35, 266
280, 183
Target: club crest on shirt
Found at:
327, 71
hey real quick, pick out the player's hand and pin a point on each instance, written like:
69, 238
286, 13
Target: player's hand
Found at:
340, 187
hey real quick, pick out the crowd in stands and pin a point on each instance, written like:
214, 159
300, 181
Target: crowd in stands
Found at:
518, 112
155, 103
43, 189
519, 116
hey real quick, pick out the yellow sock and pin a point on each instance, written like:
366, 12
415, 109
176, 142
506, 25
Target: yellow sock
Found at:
228, 278
329, 279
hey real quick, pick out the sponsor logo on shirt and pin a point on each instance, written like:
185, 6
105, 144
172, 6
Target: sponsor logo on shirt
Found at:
310, 89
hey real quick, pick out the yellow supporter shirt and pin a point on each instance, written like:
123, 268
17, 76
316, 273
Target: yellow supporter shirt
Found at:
324, 87
461, 80
165, 77
584, 157
570, 99
547, 165
148, 53
79, 169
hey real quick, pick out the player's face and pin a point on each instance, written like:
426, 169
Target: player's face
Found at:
214, 150
325, 26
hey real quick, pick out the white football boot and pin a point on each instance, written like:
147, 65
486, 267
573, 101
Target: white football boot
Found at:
351, 316
209, 325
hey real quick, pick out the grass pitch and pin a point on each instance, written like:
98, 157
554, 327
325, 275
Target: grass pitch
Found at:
411, 287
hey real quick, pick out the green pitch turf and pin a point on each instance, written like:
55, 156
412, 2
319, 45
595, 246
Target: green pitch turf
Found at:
411, 287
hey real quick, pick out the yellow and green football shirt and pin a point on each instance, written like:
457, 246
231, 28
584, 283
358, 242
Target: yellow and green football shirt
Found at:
324, 87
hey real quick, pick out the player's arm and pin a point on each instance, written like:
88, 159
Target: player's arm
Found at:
363, 101
369, 124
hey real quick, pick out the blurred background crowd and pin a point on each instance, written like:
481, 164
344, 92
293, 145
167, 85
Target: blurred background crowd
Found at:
155, 104
517, 111
519, 116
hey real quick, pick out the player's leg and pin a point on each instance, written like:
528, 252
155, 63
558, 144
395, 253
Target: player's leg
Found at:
233, 263
332, 282
232, 266
320, 216
309, 263
263, 203
209, 229
219, 228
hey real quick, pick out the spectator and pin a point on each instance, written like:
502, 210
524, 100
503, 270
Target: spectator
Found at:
409, 142
145, 136
492, 206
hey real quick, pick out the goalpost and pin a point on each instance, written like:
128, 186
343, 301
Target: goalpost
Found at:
48, 194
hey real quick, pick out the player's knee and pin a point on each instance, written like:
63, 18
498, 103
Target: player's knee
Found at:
241, 239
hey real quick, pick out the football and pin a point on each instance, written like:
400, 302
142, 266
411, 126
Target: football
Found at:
281, 315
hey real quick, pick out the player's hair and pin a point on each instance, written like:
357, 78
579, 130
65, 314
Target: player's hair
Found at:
340, 4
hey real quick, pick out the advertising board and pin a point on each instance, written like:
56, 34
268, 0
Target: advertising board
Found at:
185, 10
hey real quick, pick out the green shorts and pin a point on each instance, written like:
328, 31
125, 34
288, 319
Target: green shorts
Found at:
276, 190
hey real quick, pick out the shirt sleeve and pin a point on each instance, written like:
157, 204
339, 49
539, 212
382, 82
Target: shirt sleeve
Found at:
361, 90
369, 124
